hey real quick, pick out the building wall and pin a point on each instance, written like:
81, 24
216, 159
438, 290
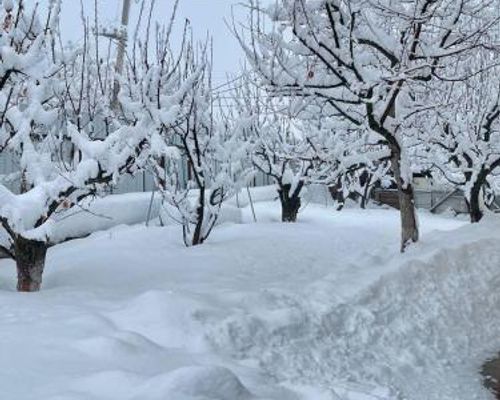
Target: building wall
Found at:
10, 165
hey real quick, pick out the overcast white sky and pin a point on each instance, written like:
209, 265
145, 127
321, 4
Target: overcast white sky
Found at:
205, 15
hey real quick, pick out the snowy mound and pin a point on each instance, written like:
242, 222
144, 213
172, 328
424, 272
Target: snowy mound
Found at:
429, 322
197, 383
186, 383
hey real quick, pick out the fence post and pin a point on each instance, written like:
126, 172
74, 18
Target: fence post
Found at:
251, 205
150, 208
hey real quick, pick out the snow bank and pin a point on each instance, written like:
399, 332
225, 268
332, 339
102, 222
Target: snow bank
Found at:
187, 383
421, 330
99, 214
132, 208
258, 194
201, 382
317, 194
228, 214
104, 213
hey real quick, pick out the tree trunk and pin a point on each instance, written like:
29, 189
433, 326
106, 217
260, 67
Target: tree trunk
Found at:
474, 208
198, 236
30, 260
290, 204
409, 226
365, 181
337, 194
365, 198
475, 212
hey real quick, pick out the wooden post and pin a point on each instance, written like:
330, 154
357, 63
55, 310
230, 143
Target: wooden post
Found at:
122, 45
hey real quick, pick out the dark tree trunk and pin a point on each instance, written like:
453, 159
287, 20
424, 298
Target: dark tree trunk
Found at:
474, 208
337, 194
30, 261
290, 202
200, 216
475, 212
409, 226
365, 180
364, 198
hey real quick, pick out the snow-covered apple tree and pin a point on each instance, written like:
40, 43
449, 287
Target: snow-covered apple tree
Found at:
209, 151
295, 144
292, 143
364, 59
460, 138
277, 146
56, 121
194, 158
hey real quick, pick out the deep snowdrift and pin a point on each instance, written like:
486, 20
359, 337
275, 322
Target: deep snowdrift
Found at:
323, 309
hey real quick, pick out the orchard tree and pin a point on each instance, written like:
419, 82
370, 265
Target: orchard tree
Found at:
295, 144
55, 120
277, 146
461, 137
207, 149
193, 156
364, 59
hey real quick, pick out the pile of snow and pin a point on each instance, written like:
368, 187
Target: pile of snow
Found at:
104, 213
228, 213
132, 208
318, 194
324, 309
257, 195
419, 327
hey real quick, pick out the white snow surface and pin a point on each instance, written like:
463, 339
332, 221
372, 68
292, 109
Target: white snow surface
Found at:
104, 213
324, 309
99, 214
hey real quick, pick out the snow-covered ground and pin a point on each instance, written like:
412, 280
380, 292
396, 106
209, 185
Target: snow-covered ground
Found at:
324, 309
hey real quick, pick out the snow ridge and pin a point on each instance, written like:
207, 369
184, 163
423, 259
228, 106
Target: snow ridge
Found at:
401, 333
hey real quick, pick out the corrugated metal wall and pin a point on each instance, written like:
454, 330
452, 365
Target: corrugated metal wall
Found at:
141, 182
9, 164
